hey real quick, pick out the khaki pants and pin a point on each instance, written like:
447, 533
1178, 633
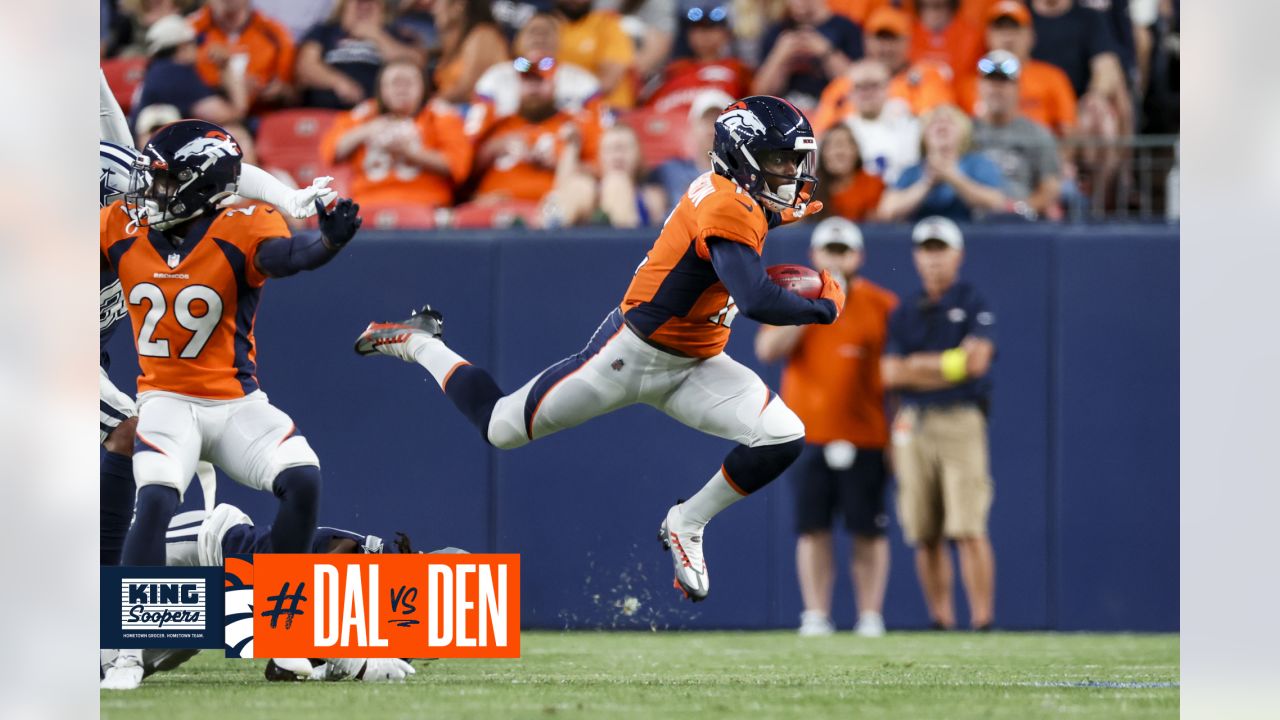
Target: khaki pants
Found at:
941, 461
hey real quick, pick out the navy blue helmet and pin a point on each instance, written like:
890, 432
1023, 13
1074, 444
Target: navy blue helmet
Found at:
766, 146
194, 165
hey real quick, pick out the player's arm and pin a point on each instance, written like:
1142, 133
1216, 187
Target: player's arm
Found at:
742, 271
925, 371
284, 256
111, 123
258, 184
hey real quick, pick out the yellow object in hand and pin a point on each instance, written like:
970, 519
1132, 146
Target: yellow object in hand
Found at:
955, 365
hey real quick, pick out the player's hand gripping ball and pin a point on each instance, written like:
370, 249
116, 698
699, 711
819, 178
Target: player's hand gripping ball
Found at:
799, 279
340, 224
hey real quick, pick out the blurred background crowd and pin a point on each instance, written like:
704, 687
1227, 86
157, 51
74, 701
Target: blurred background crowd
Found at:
548, 113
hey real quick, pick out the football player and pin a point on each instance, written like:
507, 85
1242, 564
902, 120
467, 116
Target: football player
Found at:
200, 538
664, 345
191, 275
117, 415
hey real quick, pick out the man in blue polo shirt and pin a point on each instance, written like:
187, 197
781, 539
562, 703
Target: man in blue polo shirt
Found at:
940, 347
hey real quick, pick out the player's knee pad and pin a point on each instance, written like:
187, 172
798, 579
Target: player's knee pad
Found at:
293, 452
506, 425
156, 468
777, 424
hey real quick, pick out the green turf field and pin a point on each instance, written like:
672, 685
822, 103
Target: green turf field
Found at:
706, 676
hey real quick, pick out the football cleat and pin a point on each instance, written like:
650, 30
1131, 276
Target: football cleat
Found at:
125, 672
684, 541
392, 338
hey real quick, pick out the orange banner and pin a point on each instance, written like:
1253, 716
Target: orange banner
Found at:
370, 606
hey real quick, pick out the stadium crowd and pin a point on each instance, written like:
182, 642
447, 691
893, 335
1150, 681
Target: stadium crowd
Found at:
474, 113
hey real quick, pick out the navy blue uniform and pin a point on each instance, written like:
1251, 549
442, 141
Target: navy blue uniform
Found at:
920, 325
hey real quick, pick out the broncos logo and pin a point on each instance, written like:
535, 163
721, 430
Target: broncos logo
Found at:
742, 123
211, 147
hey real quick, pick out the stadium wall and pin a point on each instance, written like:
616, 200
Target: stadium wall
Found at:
1084, 428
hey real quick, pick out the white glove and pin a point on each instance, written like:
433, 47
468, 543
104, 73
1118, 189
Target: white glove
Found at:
301, 204
375, 670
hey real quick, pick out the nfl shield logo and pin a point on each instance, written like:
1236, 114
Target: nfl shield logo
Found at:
174, 259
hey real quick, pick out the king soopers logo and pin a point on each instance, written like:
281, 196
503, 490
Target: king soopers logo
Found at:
163, 604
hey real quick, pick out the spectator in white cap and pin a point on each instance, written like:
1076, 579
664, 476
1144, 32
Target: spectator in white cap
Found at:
674, 176
939, 352
171, 79
832, 381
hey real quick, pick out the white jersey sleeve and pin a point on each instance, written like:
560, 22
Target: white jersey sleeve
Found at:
112, 125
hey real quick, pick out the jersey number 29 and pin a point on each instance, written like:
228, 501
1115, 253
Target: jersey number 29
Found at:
201, 325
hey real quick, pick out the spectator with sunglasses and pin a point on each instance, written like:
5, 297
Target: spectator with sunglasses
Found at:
1024, 150
470, 43
805, 51
711, 64
922, 85
538, 149
536, 44
595, 40
402, 149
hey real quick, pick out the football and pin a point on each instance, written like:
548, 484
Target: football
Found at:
799, 279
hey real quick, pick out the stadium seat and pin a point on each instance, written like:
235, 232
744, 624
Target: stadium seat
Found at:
124, 75
491, 215
289, 140
398, 217
661, 135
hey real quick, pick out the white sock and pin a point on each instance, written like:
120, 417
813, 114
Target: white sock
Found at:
432, 354
715, 496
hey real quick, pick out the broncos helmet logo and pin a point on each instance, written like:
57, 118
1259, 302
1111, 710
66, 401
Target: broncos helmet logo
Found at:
742, 123
212, 147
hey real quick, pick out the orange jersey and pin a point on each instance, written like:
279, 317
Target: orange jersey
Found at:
832, 380
1044, 95
525, 168
267, 43
923, 85
857, 198
192, 307
675, 298
856, 10
598, 39
959, 46
381, 177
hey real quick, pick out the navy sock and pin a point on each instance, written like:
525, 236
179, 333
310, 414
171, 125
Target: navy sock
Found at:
751, 468
115, 505
144, 544
474, 393
299, 491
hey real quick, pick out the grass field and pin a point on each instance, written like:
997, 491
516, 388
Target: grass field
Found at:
708, 675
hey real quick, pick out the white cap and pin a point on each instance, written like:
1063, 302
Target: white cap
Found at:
836, 230
169, 31
708, 100
936, 227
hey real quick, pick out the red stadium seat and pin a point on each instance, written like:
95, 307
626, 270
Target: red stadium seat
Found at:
661, 135
398, 217
124, 75
289, 140
495, 215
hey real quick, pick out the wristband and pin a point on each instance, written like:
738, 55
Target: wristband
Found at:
954, 365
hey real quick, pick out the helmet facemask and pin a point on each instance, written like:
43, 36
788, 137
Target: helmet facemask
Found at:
170, 198
779, 187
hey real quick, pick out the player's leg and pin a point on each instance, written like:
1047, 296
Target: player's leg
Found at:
815, 500
259, 446
118, 422
723, 397
967, 493
862, 489
568, 393
164, 459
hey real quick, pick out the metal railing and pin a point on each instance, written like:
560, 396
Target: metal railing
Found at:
1134, 178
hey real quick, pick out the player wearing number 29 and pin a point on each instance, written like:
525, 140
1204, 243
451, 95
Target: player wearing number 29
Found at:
664, 344
191, 277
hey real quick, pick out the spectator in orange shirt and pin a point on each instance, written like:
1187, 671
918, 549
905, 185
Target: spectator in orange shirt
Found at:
858, 11
539, 149
596, 41
231, 33
943, 36
403, 150
832, 381
923, 85
1045, 91
844, 187
711, 64
470, 43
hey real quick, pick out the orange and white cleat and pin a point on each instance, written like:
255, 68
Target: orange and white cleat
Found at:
684, 541
393, 338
